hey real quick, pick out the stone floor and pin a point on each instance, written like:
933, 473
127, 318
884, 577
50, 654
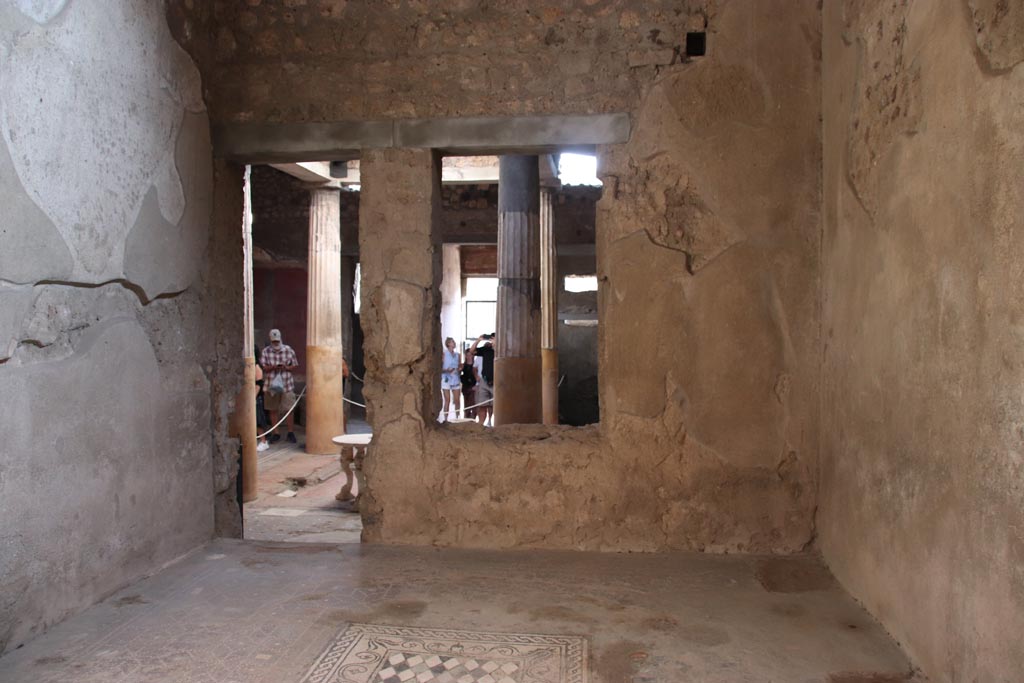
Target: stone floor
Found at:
296, 496
251, 612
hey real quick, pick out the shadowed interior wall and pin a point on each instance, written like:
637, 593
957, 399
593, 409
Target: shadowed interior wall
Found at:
108, 333
922, 487
708, 434
280, 303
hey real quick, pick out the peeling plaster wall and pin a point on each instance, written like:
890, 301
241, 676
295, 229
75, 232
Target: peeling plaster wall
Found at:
708, 248
922, 486
105, 360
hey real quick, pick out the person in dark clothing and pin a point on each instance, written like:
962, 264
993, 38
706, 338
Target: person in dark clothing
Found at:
483, 368
261, 414
469, 381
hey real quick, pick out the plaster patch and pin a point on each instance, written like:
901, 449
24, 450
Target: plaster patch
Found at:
90, 117
887, 103
170, 195
161, 256
33, 249
40, 11
401, 303
999, 27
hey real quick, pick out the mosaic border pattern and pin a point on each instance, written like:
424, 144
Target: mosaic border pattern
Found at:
360, 651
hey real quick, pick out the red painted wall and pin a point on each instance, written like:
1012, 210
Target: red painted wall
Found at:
279, 300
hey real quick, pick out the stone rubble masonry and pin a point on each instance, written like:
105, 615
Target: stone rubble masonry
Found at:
922, 507
118, 353
362, 61
401, 278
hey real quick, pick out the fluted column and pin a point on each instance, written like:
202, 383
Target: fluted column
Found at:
548, 311
245, 411
324, 407
517, 368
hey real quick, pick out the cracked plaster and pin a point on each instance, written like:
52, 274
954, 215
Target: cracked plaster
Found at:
90, 173
106, 467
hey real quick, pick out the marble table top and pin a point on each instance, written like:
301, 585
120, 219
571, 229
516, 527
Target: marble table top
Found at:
352, 439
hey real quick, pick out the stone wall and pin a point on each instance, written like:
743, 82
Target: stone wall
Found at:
708, 248
339, 60
106, 360
922, 504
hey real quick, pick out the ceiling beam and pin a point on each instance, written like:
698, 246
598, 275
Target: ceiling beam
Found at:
292, 142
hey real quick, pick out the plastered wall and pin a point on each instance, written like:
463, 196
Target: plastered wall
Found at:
708, 246
106, 351
922, 487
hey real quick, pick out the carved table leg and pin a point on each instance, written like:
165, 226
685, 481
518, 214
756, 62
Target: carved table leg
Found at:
346, 459
357, 466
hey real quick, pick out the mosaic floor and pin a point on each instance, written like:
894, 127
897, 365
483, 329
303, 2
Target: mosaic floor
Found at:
369, 653
262, 612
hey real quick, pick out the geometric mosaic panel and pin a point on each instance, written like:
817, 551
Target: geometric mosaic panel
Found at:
372, 653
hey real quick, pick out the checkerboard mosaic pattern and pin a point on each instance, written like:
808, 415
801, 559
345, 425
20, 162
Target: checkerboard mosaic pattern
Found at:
403, 667
371, 653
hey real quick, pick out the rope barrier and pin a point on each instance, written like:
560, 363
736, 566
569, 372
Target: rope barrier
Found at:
490, 400
347, 400
284, 417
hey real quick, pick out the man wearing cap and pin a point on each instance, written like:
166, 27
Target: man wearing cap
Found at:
278, 361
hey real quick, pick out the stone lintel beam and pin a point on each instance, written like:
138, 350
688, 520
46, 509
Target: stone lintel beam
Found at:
313, 172
292, 142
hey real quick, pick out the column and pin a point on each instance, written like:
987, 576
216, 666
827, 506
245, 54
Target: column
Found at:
324, 407
517, 366
548, 311
451, 294
245, 411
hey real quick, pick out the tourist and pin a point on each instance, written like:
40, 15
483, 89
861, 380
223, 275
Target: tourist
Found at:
483, 369
469, 382
451, 385
278, 361
261, 412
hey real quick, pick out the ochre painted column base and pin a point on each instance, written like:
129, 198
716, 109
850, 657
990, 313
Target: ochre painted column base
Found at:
549, 385
245, 416
517, 394
325, 416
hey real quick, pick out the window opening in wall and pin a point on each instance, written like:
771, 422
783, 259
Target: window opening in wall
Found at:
481, 308
580, 283
568, 189
302, 492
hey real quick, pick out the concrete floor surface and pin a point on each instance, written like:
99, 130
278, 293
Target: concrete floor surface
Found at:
250, 612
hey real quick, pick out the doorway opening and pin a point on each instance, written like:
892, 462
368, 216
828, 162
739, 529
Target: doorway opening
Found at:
305, 490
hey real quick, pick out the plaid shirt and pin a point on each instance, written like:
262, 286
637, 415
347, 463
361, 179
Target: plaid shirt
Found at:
283, 355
